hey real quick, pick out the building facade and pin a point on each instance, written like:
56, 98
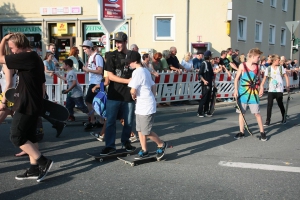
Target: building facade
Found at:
189, 25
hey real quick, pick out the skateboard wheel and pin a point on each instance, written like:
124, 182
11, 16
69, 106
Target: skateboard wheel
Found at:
101, 159
128, 155
132, 164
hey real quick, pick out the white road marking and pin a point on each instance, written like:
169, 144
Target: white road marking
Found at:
260, 166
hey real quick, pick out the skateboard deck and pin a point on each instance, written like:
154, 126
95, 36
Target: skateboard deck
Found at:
213, 100
119, 152
287, 106
9, 104
132, 161
50, 109
244, 119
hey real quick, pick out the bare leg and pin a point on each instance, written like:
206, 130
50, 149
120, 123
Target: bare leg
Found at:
32, 150
152, 136
241, 123
103, 129
143, 141
90, 107
260, 123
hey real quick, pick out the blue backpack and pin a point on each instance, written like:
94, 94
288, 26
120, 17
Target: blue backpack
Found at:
99, 101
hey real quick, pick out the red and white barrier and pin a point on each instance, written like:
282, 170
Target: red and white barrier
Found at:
170, 86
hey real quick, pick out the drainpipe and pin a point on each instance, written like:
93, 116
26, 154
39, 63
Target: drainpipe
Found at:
187, 24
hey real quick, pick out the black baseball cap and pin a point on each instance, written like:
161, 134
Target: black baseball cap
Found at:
120, 36
133, 56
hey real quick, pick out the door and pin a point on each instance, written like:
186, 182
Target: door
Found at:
64, 45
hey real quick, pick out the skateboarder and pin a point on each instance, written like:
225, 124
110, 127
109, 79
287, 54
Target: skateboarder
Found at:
246, 85
274, 73
74, 91
28, 98
143, 90
207, 78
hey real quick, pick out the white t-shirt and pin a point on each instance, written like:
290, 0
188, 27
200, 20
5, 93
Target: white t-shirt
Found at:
95, 78
276, 81
76, 91
3, 81
187, 65
145, 101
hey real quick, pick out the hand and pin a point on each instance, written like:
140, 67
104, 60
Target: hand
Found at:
156, 74
235, 94
51, 74
93, 89
288, 88
65, 91
85, 69
133, 96
205, 82
2, 106
261, 91
7, 36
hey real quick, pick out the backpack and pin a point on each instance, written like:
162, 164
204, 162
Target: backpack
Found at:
269, 72
99, 101
94, 60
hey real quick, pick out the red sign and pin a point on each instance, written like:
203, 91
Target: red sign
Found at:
112, 9
103, 39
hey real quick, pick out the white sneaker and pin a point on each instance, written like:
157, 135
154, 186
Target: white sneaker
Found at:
133, 138
97, 136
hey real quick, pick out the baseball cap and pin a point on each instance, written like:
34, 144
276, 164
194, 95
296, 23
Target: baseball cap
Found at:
207, 53
132, 56
87, 43
120, 36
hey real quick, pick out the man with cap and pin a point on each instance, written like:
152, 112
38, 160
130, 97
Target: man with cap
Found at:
198, 60
95, 69
207, 78
119, 101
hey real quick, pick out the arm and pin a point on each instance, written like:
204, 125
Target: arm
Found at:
117, 79
237, 77
61, 77
287, 82
8, 79
95, 88
74, 82
2, 48
133, 93
99, 70
232, 65
261, 89
201, 73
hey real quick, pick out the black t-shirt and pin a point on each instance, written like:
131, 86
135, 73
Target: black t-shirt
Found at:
225, 62
206, 72
173, 61
115, 63
29, 92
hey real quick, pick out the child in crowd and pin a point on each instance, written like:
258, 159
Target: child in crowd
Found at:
142, 90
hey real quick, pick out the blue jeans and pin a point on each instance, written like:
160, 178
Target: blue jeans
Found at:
112, 110
71, 102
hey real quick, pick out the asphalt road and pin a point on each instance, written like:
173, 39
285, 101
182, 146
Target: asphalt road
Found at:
205, 162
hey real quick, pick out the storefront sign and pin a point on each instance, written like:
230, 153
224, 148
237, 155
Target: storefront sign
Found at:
95, 28
68, 10
22, 29
62, 28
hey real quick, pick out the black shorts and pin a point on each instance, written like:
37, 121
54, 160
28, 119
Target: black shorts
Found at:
23, 128
90, 95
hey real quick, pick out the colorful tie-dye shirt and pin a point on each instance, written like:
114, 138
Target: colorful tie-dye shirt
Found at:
248, 87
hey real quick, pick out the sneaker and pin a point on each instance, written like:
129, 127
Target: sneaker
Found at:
160, 152
59, 128
90, 126
97, 136
267, 123
133, 138
283, 121
263, 137
208, 114
44, 170
142, 154
238, 136
27, 175
107, 151
200, 115
101, 138
71, 118
128, 147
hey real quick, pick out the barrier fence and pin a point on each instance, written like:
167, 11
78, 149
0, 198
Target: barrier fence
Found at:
170, 86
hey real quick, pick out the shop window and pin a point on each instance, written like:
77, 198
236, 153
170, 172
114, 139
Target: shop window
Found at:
164, 27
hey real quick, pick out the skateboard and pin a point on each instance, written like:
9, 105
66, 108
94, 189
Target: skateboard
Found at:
287, 106
213, 100
50, 109
119, 152
9, 104
132, 161
244, 119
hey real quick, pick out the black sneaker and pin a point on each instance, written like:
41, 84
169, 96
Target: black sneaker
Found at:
59, 128
283, 121
128, 147
239, 136
142, 154
27, 175
44, 170
208, 114
107, 151
267, 123
90, 125
200, 115
263, 136
160, 152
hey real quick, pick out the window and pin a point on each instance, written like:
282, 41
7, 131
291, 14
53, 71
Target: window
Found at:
272, 34
283, 37
260, 1
273, 3
164, 27
284, 5
242, 28
258, 31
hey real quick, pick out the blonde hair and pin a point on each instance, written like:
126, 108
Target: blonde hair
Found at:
187, 56
254, 52
275, 57
20, 40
